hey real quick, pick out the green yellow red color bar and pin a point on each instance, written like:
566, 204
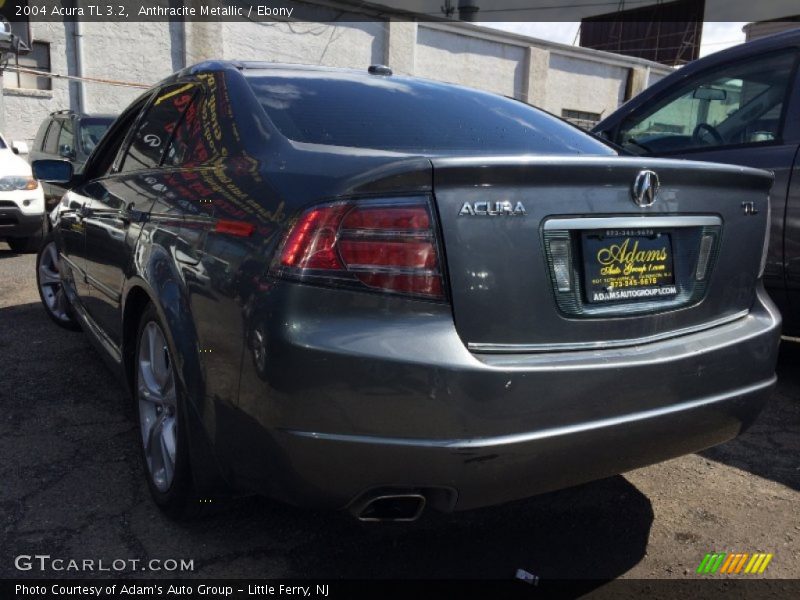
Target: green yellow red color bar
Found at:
734, 563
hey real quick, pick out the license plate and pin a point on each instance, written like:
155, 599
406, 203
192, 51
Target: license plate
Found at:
625, 266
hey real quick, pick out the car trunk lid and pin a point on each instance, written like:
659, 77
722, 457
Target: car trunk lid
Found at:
554, 253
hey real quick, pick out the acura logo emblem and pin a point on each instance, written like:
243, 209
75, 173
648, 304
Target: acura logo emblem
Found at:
645, 188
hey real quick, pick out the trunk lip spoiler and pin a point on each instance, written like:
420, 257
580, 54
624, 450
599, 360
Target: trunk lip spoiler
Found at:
597, 161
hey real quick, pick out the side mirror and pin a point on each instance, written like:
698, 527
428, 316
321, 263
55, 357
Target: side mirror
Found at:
19, 147
52, 171
15, 150
66, 151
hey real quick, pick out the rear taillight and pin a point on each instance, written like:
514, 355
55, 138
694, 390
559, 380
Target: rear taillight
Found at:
385, 245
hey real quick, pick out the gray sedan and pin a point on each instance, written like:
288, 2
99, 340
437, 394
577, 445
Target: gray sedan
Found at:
356, 290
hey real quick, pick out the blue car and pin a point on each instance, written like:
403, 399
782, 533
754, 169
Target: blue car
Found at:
739, 106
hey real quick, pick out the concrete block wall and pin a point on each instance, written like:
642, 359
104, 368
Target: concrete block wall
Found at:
468, 60
132, 52
348, 44
25, 109
576, 84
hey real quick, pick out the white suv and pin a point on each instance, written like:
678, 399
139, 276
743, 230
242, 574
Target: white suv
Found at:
22, 222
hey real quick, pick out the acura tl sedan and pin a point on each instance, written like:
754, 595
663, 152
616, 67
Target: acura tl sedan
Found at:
356, 290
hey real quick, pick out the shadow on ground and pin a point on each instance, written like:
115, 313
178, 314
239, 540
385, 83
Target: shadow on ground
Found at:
597, 530
771, 447
6, 252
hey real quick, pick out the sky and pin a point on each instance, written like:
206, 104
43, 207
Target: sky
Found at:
716, 36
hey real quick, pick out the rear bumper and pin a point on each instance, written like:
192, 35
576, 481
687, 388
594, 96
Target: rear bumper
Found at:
14, 223
336, 416
470, 473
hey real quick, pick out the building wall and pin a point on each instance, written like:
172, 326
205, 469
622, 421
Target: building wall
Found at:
24, 110
142, 53
353, 44
754, 31
466, 60
552, 76
146, 52
580, 85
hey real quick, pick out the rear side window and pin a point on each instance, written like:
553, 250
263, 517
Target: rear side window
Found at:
391, 113
66, 139
51, 138
154, 131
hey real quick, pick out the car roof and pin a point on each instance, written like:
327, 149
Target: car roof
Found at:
778, 41
341, 73
289, 69
785, 39
68, 114
250, 65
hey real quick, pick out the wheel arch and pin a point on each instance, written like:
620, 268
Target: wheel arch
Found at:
134, 304
182, 337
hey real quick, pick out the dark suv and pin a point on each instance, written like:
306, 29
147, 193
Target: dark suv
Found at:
65, 134
738, 106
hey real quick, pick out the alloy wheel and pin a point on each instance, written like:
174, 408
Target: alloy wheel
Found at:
50, 286
157, 397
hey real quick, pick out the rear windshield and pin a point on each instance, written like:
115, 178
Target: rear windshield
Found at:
396, 114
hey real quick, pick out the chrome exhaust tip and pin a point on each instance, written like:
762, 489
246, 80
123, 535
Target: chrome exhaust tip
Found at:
396, 507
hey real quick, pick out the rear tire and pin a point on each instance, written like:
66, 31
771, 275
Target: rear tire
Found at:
162, 425
51, 288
